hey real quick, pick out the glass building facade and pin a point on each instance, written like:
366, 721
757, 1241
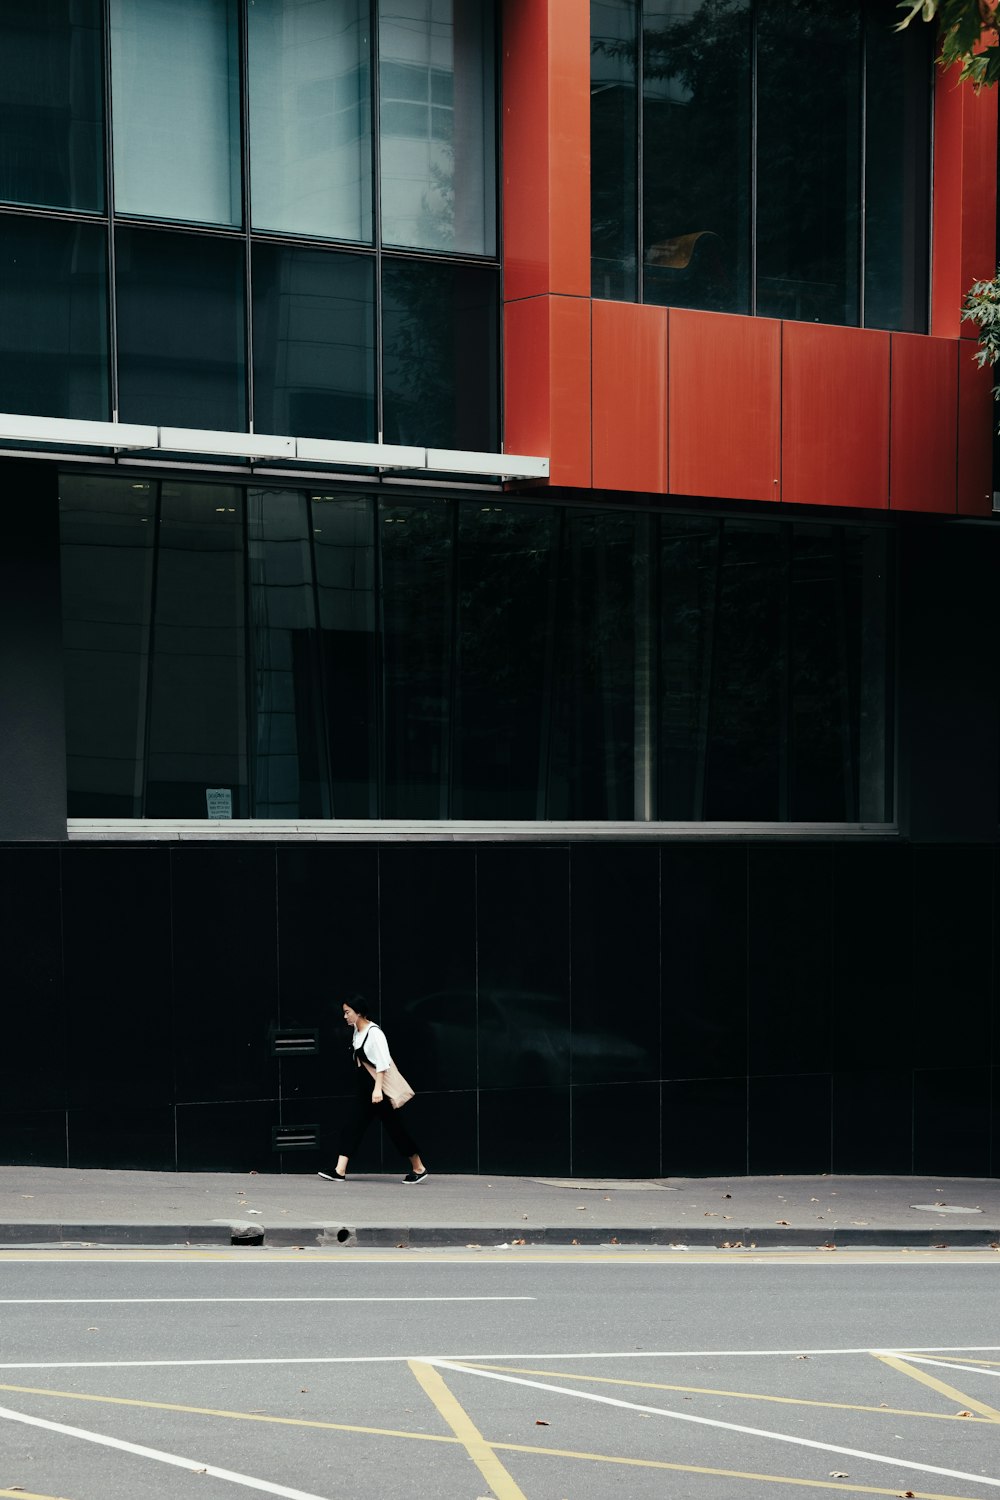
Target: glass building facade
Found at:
322, 654
762, 156
277, 216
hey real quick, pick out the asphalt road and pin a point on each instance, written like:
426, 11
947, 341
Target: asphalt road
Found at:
517, 1374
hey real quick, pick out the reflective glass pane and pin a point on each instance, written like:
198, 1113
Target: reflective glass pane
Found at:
613, 146
51, 104
175, 109
440, 360
898, 89
197, 716
437, 124
53, 318
310, 117
107, 529
181, 336
696, 153
416, 553
288, 763
313, 343
344, 549
688, 563
808, 160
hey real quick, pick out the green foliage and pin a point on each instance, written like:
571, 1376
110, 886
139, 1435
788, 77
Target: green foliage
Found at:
982, 307
964, 25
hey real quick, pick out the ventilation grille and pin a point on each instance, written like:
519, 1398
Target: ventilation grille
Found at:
294, 1137
297, 1040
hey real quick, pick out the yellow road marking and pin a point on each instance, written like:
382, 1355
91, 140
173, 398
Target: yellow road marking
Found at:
943, 1389
236, 1416
26, 1495
961, 1359
701, 1390
461, 1424
654, 1463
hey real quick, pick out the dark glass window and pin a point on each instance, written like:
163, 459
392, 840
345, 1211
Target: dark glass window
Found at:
897, 171
696, 154
53, 318
313, 343
785, 158
197, 754
108, 527
51, 104
288, 770
181, 337
440, 357
416, 555
614, 48
436, 125
808, 161
175, 109
280, 654
310, 117
344, 549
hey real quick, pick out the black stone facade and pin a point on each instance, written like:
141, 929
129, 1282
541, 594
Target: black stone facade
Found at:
676, 1008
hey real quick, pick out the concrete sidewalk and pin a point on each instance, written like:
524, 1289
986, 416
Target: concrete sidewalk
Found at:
67, 1206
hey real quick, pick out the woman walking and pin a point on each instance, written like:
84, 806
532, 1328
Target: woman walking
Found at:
371, 1047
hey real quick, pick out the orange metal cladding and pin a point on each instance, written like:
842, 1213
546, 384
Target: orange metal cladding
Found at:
725, 406
630, 397
965, 195
976, 417
547, 377
835, 416
923, 410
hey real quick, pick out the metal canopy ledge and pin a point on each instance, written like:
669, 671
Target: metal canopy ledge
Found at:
457, 831
196, 441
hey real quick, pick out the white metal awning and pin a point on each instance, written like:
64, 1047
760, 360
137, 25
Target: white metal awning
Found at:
192, 442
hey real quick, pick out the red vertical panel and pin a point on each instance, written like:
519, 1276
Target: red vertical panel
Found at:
835, 415
725, 406
977, 412
923, 420
569, 146
526, 376
946, 263
630, 397
546, 147
525, 129
569, 386
965, 196
979, 190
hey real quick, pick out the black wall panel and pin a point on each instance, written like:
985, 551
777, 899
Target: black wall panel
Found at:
600, 1009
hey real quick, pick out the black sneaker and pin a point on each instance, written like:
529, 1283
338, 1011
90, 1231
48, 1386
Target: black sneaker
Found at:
333, 1175
414, 1176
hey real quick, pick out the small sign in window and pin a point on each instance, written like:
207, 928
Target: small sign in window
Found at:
219, 800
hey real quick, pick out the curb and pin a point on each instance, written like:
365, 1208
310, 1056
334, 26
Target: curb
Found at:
481, 1236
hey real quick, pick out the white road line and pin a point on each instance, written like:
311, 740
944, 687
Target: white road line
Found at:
943, 1364
899, 1463
193, 1465
144, 1301
490, 1358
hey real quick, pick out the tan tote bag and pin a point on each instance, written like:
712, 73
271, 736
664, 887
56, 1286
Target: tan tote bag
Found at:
394, 1085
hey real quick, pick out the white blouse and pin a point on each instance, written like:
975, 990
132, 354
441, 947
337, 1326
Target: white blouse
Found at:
377, 1049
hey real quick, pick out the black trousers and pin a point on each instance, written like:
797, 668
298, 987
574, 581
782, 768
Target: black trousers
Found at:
362, 1114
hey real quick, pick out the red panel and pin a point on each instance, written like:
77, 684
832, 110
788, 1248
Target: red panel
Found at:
946, 263
979, 191
725, 406
977, 414
547, 384
923, 423
569, 422
569, 146
525, 127
526, 376
546, 147
630, 397
835, 415
965, 195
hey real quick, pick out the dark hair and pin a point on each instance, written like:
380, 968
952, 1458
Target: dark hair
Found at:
359, 1004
